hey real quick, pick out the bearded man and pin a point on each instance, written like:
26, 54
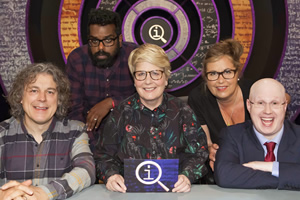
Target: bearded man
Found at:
99, 72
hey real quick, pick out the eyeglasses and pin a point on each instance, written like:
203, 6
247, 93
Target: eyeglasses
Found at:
142, 75
107, 42
227, 74
262, 104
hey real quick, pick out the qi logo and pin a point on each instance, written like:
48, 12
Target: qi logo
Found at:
147, 174
156, 32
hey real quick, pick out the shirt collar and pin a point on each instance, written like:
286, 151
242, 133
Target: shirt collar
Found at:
262, 139
45, 134
162, 107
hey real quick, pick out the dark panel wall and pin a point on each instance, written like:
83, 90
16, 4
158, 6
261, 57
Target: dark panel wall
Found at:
4, 107
270, 26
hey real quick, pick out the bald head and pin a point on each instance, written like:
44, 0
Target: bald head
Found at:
267, 86
267, 106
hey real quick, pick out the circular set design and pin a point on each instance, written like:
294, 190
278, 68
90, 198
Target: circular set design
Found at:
54, 28
185, 30
177, 28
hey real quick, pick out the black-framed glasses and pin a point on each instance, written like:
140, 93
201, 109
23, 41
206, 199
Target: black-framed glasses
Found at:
227, 74
142, 75
262, 104
107, 42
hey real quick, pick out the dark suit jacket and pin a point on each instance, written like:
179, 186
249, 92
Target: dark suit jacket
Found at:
239, 145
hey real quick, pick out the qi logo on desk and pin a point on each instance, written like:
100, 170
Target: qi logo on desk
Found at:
148, 180
144, 175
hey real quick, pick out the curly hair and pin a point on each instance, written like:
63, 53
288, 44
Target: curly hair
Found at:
104, 17
230, 48
28, 75
150, 53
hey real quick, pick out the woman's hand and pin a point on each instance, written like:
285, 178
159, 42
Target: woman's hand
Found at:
212, 155
116, 183
182, 185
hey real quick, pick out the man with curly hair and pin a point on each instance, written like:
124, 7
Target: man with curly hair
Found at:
98, 72
43, 155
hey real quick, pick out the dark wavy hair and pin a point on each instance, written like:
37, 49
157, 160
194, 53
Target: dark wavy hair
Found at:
28, 75
104, 17
230, 48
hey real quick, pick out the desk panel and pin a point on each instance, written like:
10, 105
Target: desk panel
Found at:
198, 192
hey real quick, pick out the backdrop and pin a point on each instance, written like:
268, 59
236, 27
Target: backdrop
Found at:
48, 30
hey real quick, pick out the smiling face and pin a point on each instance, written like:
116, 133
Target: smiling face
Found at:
40, 101
150, 91
268, 120
222, 89
101, 55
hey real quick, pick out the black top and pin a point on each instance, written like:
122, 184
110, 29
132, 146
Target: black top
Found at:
205, 106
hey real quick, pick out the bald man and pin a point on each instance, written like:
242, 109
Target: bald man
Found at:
264, 152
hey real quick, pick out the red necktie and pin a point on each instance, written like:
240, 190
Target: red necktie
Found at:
270, 157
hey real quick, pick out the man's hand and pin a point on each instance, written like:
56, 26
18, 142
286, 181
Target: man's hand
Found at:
116, 183
182, 185
260, 165
97, 113
38, 194
212, 155
16, 190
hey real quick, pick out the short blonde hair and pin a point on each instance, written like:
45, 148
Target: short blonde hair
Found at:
150, 53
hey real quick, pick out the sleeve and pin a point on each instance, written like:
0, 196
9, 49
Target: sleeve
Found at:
289, 157
230, 172
74, 71
118, 99
194, 101
106, 154
81, 176
275, 169
195, 154
289, 176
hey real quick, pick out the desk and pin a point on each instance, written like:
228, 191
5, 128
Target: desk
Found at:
198, 192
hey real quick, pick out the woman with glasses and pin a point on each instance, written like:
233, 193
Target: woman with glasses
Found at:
220, 100
151, 124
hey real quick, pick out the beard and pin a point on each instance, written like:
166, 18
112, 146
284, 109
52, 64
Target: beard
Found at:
104, 63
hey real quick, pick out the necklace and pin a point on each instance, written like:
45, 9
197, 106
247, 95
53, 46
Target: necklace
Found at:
232, 111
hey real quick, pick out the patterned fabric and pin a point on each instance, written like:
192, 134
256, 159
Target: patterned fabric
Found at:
90, 84
62, 164
169, 131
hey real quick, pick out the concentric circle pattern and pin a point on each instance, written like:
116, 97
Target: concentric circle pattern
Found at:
184, 29
47, 31
175, 26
